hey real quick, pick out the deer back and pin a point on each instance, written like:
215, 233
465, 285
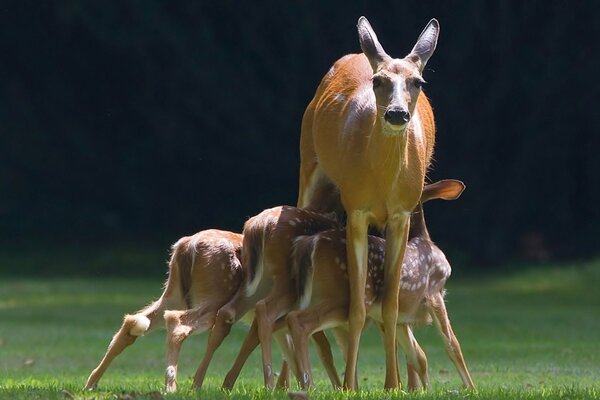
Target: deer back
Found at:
206, 267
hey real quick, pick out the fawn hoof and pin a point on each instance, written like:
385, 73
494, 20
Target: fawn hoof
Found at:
170, 379
228, 383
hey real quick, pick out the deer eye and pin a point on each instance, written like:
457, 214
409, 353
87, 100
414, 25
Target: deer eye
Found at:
417, 83
377, 81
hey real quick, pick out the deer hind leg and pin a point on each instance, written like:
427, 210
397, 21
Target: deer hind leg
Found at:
356, 251
442, 322
395, 247
225, 318
326, 356
267, 312
283, 381
180, 325
341, 335
301, 325
415, 357
133, 326
284, 342
250, 343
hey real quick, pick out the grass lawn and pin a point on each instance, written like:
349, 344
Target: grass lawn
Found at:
528, 334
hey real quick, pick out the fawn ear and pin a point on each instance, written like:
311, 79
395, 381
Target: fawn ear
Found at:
447, 189
370, 44
425, 45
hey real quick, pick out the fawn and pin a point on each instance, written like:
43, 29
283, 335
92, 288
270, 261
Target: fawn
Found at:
321, 271
204, 273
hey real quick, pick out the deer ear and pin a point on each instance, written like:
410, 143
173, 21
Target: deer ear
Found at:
370, 44
425, 45
447, 189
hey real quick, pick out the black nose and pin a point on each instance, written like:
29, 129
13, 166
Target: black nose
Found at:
397, 116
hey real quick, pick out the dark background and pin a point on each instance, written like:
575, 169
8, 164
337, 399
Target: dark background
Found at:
143, 121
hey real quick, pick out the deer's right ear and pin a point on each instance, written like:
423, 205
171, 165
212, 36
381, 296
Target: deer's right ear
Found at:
370, 44
447, 189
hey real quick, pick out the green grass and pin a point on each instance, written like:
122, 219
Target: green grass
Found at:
525, 335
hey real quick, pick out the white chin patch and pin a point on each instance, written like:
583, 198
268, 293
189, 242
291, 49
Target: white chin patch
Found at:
393, 130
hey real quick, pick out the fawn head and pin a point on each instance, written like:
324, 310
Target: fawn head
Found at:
397, 82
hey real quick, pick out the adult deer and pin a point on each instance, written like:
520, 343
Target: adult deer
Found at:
369, 130
320, 266
204, 273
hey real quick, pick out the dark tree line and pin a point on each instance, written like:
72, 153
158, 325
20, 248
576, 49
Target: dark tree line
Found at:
155, 119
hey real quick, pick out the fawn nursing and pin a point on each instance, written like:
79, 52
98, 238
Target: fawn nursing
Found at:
366, 144
320, 266
204, 273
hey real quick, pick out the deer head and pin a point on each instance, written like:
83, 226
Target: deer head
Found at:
397, 82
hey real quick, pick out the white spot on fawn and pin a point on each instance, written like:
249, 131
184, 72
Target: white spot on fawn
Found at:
292, 222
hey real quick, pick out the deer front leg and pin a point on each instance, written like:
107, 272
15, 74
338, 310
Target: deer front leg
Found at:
283, 382
442, 322
284, 342
133, 326
225, 317
180, 325
267, 312
415, 357
340, 334
395, 246
326, 356
302, 324
356, 251
250, 343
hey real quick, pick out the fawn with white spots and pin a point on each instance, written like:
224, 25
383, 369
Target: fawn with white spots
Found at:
321, 272
267, 289
205, 271
370, 132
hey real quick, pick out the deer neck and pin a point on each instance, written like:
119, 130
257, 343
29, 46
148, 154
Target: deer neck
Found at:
390, 156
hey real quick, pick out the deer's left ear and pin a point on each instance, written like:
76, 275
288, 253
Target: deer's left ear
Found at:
425, 45
446, 189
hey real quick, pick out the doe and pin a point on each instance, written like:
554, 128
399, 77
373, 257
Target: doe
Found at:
370, 131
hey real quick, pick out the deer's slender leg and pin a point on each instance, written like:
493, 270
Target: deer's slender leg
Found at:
180, 325
326, 356
225, 317
302, 324
414, 383
284, 341
356, 238
133, 326
283, 382
395, 246
442, 322
250, 343
414, 355
267, 312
